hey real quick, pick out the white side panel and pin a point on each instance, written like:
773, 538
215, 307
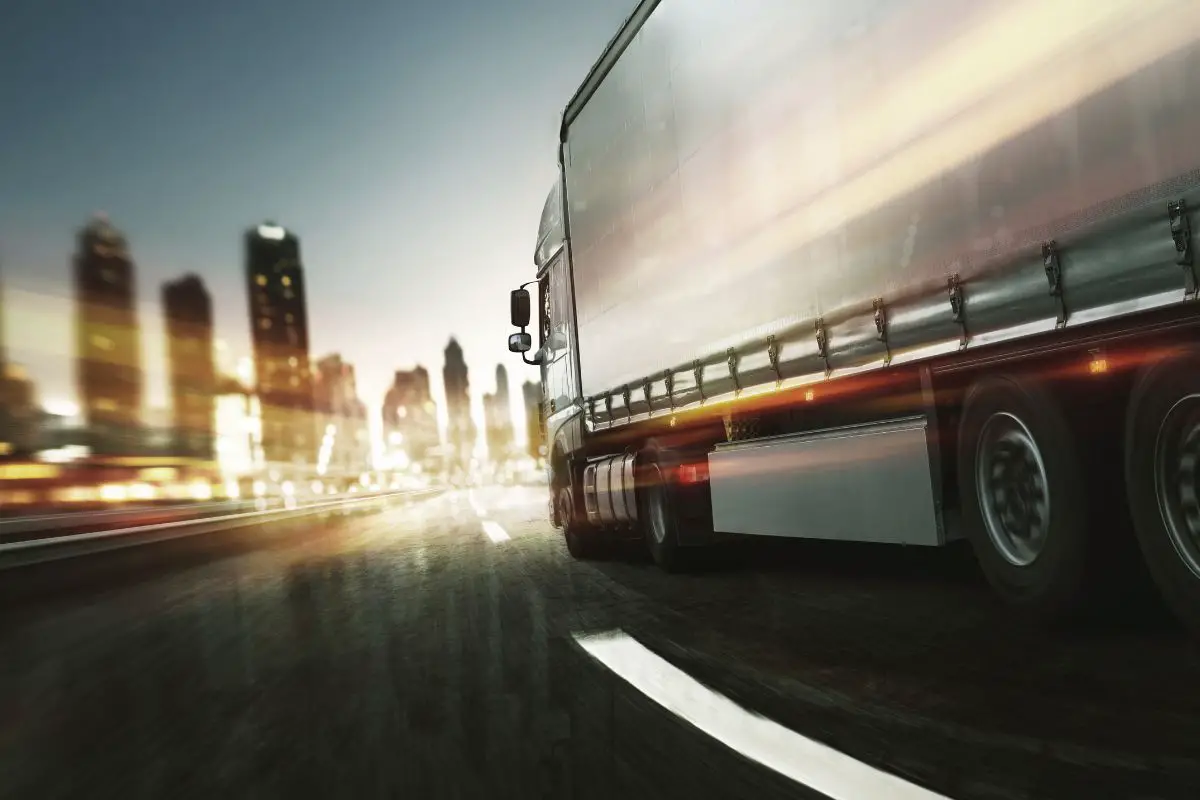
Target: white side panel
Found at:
870, 483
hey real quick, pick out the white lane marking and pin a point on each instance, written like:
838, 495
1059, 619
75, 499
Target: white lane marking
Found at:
810, 763
495, 531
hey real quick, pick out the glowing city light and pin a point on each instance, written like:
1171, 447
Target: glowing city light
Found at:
62, 408
200, 490
113, 493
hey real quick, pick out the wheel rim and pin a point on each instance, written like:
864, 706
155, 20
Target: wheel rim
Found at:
1176, 483
656, 513
1013, 490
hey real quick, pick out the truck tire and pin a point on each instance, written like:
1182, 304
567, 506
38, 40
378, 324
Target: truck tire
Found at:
1162, 479
1023, 499
660, 511
583, 541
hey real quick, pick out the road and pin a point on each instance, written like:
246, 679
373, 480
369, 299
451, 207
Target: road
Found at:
447, 648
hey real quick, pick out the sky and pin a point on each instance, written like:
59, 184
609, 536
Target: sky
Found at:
409, 145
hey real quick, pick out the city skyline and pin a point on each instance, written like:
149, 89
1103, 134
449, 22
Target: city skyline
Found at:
419, 230
284, 376
148, 361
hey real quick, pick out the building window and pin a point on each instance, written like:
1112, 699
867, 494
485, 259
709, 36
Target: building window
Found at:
261, 280
289, 318
102, 342
286, 280
265, 323
293, 361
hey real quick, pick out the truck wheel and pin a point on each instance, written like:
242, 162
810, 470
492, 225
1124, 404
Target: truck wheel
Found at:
583, 542
1023, 500
1162, 479
659, 511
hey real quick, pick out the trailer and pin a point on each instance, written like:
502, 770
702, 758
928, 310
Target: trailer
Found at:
893, 271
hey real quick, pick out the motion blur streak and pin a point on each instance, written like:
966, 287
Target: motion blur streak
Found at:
1012, 41
1044, 90
312, 507
807, 762
495, 531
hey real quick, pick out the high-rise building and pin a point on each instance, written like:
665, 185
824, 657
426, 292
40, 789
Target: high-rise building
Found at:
108, 339
460, 431
535, 431
410, 416
279, 333
3, 340
497, 414
191, 366
21, 420
345, 450
503, 407
20, 417
19, 423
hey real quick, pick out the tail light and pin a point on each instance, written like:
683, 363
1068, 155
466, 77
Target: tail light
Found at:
693, 473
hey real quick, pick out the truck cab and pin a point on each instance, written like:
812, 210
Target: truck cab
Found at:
556, 353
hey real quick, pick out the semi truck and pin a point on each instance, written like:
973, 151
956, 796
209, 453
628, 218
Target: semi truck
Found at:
890, 271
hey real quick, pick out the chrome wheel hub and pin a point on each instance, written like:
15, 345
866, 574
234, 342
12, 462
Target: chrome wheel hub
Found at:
1012, 489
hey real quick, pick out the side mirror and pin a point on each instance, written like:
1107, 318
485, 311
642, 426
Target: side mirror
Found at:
519, 309
519, 342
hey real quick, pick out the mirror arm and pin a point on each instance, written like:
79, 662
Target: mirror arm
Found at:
537, 359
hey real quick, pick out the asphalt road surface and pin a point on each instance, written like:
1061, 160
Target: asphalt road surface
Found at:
449, 648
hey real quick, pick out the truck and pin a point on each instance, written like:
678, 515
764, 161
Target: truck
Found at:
890, 271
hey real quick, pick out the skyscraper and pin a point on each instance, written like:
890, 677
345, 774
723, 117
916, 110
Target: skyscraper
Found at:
18, 426
497, 415
191, 366
3, 340
345, 450
410, 416
460, 432
19, 413
535, 432
108, 338
279, 333
503, 406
